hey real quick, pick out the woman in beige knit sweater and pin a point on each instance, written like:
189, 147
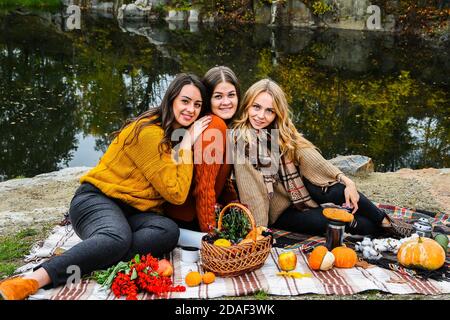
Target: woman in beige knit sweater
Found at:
283, 178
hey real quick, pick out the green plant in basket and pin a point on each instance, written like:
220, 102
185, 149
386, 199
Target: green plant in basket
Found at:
235, 225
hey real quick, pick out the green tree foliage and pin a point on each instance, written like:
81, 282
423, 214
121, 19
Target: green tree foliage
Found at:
31, 3
350, 93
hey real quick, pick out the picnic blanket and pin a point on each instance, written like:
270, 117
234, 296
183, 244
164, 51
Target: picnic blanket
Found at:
336, 281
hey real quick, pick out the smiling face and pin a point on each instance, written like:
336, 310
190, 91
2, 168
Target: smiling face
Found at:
187, 106
261, 112
224, 100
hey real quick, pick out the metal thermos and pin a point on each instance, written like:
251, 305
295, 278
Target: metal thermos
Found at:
335, 234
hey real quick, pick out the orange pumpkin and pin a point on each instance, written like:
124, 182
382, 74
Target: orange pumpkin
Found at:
345, 257
321, 259
337, 214
423, 253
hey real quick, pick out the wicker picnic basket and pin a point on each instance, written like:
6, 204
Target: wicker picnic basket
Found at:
237, 259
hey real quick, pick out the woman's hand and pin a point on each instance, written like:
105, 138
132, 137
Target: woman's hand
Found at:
194, 132
351, 194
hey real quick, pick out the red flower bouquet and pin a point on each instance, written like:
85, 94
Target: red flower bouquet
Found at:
140, 274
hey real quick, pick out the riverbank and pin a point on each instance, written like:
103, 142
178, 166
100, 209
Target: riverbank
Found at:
42, 200
30, 207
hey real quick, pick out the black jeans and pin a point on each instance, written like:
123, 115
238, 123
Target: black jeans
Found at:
111, 232
368, 217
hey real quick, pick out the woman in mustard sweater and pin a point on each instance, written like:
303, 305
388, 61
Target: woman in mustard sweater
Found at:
116, 209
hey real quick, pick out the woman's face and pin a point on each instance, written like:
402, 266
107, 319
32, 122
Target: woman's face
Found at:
261, 113
224, 100
187, 106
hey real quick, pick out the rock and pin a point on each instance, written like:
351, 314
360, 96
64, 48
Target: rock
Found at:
176, 15
63, 175
34, 202
193, 16
301, 16
355, 165
103, 6
352, 8
349, 24
140, 9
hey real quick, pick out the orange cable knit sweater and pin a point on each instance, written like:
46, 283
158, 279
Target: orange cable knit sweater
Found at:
138, 174
211, 178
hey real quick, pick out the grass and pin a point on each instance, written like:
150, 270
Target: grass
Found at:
261, 295
31, 3
14, 247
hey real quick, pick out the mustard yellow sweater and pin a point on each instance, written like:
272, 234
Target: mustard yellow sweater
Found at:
139, 175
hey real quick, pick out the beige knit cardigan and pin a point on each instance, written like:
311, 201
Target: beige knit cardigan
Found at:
253, 192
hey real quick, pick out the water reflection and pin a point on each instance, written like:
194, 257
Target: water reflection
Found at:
352, 92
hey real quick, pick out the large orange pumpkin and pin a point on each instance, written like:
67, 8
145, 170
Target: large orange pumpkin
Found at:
423, 253
345, 257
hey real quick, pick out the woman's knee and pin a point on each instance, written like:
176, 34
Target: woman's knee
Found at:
118, 239
158, 237
170, 232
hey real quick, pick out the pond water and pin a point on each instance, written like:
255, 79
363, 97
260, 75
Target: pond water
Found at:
63, 92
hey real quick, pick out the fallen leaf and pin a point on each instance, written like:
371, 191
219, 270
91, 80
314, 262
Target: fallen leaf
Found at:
292, 274
364, 264
58, 251
396, 280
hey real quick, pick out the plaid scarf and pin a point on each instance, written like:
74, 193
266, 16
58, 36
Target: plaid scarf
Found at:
283, 169
292, 181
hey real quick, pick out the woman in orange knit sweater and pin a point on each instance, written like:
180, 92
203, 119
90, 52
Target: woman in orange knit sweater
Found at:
211, 182
115, 210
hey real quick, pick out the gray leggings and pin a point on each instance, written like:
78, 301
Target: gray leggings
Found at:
111, 232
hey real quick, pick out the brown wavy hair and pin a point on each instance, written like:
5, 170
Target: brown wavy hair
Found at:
217, 75
163, 114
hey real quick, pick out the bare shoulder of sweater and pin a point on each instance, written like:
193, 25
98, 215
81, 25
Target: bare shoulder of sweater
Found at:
315, 168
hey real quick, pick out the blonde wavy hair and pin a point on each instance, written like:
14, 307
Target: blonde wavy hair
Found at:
290, 139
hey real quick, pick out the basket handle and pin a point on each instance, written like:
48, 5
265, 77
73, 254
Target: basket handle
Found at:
247, 212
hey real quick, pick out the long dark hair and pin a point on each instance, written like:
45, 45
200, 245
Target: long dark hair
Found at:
163, 114
217, 75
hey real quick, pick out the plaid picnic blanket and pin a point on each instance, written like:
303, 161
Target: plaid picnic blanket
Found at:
291, 240
336, 281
